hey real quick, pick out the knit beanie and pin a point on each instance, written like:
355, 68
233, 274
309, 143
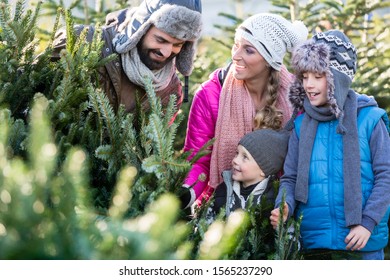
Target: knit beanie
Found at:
272, 36
330, 53
180, 19
268, 147
342, 62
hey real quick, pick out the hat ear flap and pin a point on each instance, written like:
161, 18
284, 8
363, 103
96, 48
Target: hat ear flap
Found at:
124, 42
332, 100
297, 94
184, 59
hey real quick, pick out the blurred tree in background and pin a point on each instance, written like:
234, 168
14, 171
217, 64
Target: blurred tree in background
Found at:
80, 182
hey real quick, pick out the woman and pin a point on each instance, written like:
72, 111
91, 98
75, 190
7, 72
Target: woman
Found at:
256, 81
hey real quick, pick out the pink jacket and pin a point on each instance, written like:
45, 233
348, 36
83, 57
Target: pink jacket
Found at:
201, 128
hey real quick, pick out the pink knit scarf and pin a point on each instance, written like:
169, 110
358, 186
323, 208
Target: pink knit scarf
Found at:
235, 118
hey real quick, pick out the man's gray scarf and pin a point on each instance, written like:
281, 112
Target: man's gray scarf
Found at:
136, 71
351, 155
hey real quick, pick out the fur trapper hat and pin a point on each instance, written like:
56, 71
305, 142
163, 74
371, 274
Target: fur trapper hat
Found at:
180, 19
330, 53
272, 35
268, 147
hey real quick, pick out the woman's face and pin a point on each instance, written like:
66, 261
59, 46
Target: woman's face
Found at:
248, 63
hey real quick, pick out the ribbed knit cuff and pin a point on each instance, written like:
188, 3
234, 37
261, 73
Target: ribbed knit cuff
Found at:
368, 223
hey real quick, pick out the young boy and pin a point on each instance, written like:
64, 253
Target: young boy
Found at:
260, 156
337, 170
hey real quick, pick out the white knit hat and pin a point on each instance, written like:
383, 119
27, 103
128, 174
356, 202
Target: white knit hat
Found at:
272, 36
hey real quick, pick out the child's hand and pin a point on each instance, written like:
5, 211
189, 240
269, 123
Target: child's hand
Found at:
274, 218
357, 238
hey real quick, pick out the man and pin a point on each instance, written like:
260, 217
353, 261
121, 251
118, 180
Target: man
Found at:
154, 39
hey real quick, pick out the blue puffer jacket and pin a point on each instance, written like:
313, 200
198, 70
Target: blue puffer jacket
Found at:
323, 224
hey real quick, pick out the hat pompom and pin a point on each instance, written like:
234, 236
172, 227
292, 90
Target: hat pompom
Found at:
301, 30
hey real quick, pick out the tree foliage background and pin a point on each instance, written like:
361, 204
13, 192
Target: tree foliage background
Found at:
81, 182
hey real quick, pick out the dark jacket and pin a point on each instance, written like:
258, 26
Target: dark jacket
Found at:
112, 78
226, 196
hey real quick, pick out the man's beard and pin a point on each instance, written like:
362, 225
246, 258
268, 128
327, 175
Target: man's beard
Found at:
144, 55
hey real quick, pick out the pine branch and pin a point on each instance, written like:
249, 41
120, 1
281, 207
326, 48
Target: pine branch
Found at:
206, 149
122, 194
70, 34
19, 9
55, 27
287, 236
5, 19
155, 105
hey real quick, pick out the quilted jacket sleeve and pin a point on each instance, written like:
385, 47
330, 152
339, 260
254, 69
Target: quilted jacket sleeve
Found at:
201, 128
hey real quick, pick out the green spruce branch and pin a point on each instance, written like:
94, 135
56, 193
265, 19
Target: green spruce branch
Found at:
287, 236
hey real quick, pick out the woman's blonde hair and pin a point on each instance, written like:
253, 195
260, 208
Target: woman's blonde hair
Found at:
270, 116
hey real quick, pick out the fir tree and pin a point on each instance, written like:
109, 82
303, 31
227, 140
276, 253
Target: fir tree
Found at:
48, 214
253, 239
287, 244
21, 72
110, 174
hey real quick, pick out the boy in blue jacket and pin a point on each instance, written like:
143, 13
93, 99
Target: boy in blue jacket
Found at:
337, 170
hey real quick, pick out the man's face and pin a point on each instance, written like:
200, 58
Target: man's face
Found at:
157, 48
